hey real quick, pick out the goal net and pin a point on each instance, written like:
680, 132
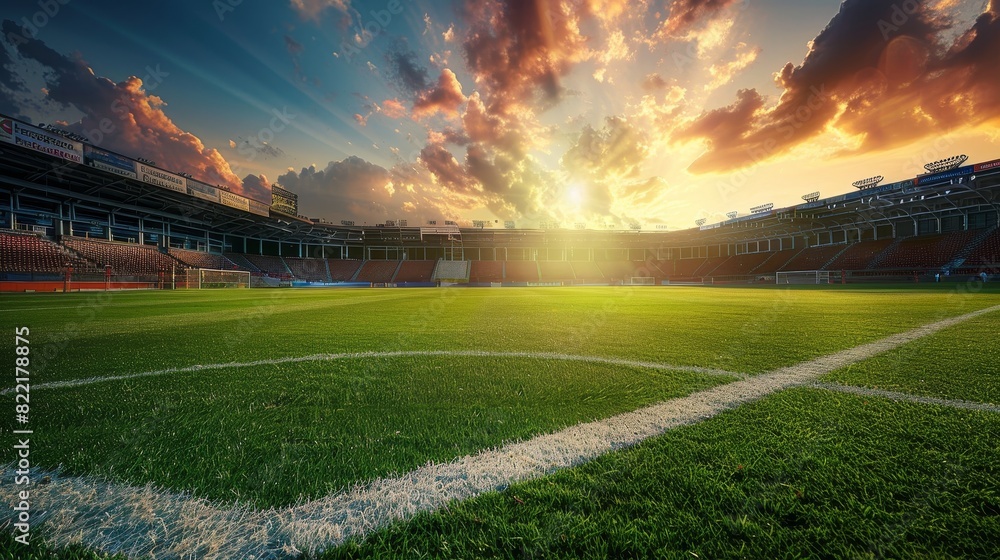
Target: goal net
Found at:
642, 281
198, 278
803, 277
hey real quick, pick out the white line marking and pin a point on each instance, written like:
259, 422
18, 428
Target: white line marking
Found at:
149, 522
376, 354
898, 396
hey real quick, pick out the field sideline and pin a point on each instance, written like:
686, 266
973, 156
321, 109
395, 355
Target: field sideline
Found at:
306, 421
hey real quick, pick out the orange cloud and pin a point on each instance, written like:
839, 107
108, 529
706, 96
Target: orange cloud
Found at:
446, 97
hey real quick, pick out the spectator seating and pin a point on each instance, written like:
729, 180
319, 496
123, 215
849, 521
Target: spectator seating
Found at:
378, 272
124, 258
202, 259
987, 253
555, 271
269, 264
813, 258
343, 270
709, 265
685, 268
240, 260
452, 270
588, 271
521, 271
859, 255
741, 265
927, 251
415, 271
30, 253
310, 270
486, 271
619, 270
775, 261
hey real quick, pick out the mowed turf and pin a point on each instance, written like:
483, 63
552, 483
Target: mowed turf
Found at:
803, 473
961, 362
273, 434
736, 329
277, 434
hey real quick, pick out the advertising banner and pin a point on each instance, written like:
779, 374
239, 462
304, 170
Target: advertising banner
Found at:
161, 178
233, 200
202, 191
6, 130
995, 164
52, 144
259, 208
109, 161
945, 175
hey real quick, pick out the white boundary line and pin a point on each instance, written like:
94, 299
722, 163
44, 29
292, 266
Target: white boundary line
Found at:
909, 397
150, 522
377, 354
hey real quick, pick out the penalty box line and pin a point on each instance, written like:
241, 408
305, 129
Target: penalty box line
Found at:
907, 397
149, 522
388, 354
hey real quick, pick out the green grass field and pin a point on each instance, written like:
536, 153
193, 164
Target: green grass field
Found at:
245, 398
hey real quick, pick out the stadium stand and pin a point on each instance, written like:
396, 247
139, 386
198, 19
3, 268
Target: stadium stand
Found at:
588, 272
708, 267
521, 271
929, 251
775, 261
201, 259
415, 271
859, 256
310, 270
269, 264
123, 258
241, 261
739, 265
556, 271
452, 270
813, 258
343, 270
378, 272
486, 271
986, 253
618, 270
685, 268
29, 253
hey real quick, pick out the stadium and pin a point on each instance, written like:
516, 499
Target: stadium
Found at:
196, 372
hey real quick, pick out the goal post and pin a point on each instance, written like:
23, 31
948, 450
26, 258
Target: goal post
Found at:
803, 277
642, 281
204, 278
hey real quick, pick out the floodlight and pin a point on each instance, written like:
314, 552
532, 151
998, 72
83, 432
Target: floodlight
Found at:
946, 164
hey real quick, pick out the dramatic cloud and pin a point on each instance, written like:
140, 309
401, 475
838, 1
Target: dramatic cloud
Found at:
519, 50
405, 72
685, 14
446, 97
876, 73
257, 187
349, 189
393, 109
124, 117
311, 9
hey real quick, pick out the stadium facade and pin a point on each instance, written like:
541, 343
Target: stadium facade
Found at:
68, 209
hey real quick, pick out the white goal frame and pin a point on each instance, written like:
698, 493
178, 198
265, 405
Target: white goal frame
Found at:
205, 278
802, 277
642, 281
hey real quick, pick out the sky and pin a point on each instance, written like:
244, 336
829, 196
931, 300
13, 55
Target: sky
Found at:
559, 113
